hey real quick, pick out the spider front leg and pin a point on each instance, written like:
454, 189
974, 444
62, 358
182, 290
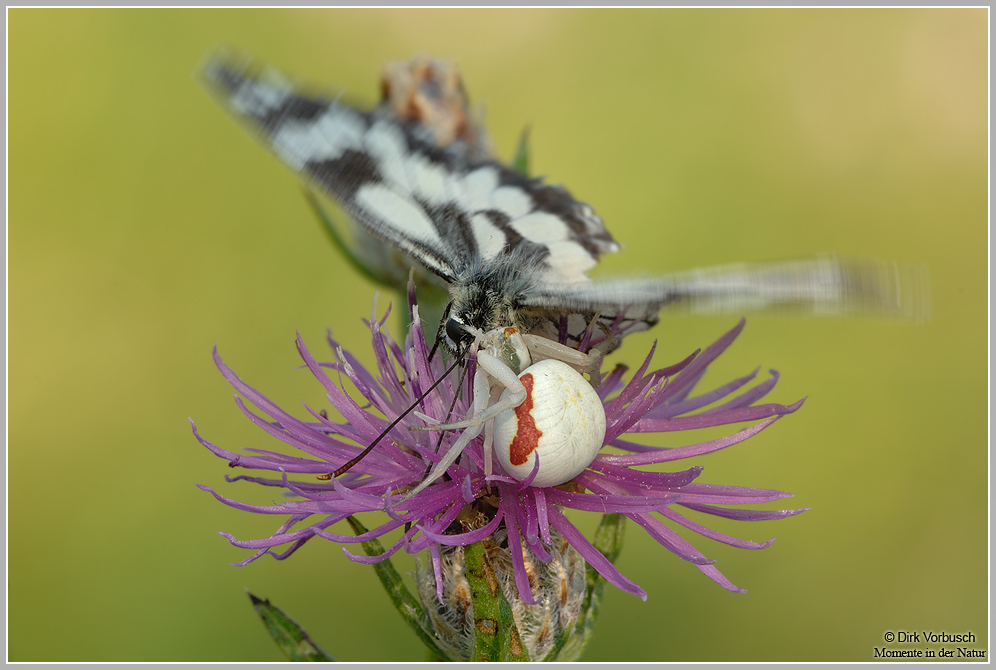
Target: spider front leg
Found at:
488, 368
540, 348
499, 372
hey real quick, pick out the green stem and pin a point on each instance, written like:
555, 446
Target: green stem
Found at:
408, 606
496, 635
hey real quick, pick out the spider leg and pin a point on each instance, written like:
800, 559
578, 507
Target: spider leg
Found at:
488, 367
482, 391
502, 374
541, 348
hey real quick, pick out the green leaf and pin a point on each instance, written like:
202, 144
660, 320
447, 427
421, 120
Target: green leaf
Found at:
608, 540
432, 295
496, 635
521, 161
289, 636
408, 606
340, 242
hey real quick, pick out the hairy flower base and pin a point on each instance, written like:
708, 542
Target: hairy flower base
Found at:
435, 519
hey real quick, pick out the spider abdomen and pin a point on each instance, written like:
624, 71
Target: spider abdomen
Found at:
561, 422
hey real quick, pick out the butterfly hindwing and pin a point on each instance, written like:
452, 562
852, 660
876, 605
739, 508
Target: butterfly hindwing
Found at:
823, 286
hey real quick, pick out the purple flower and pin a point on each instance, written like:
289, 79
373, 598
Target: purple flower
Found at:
650, 402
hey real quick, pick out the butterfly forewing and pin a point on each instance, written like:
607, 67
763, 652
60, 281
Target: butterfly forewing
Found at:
451, 215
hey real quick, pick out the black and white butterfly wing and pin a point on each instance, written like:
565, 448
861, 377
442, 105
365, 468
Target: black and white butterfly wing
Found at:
448, 214
828, 286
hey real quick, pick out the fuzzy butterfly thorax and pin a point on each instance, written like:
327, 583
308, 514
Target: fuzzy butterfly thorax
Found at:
489, 295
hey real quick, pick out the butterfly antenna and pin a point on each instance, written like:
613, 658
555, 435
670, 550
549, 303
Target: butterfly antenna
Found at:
356, 459
441, 329
435, 346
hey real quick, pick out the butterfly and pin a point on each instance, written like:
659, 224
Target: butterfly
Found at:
512, 252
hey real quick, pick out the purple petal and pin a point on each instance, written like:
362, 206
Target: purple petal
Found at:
669, 539
383, 529
593, 556
715, 575
379, 558
730, 495
607, 504
652, 481
539, 498
714, 535
690, 376
519, 509
515, 549
663, 456
463, 539
676, 408
711, 418
745, 514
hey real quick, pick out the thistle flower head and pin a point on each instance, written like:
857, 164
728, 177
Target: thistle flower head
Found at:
467, 506
538, 574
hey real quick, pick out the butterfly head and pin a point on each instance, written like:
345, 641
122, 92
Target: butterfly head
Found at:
456, 335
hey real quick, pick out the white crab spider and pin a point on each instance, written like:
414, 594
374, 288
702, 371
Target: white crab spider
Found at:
557, 418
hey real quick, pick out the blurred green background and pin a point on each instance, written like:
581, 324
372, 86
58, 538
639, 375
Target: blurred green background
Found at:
144, 227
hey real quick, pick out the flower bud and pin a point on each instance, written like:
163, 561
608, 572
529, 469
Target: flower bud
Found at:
557, 586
